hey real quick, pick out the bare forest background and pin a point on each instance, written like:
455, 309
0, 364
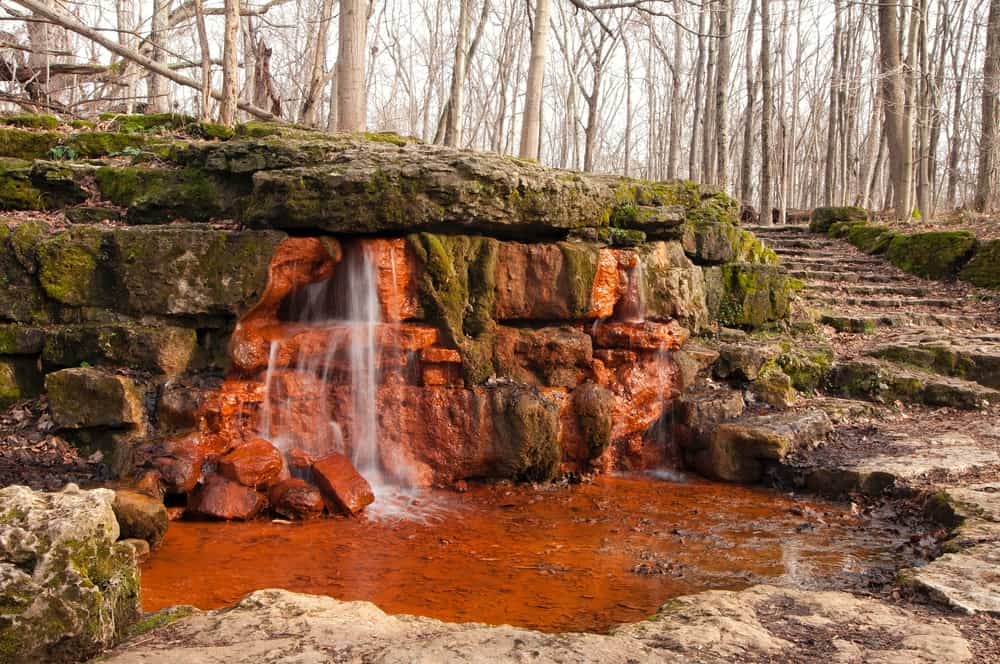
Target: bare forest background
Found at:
787, 104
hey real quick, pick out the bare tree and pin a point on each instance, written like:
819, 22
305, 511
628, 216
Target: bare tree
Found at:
531, 122
351, 93
987, 172
766, 204
894, 107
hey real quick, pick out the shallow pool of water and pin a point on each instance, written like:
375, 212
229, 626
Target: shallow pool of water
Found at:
562, 558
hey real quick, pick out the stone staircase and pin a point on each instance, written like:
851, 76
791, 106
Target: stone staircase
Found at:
922, 342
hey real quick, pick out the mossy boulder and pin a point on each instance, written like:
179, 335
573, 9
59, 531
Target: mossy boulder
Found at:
808, 366
983, 269
157, 195
592, 405
20, 378
149, 123
68, 589
458, 290
748, 295
140, 516
72, 267
16, 339
824, 217
92, 214
163, 349
870, 239
24, 144
934, 255
527, 429
31, 121
87, 397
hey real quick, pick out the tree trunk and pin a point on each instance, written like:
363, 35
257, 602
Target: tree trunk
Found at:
722, 96
531, 122
351, 95
829, 176
309, 114
205, 110
746, 163
767, 94
986, 194
156, 86
674, 145
230, 63
696, 118
456, 102
898, 138
708, 128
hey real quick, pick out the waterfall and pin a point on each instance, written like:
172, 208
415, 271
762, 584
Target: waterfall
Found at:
341, 316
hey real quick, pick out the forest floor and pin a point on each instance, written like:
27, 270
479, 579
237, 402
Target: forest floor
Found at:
984, 226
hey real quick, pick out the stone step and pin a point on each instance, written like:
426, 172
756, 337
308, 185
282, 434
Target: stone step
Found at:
887, 382
975, 359
799, 260
802, 243
866, 289
846, 276
883, 303
867, 323
779, 230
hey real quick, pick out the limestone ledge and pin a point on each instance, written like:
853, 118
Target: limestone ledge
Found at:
713, 626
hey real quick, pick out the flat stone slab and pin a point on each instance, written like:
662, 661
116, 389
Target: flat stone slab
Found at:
911, 458
968, 581
717, 626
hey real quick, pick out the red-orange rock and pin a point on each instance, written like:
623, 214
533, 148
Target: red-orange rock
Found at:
641, 335
300, 459
220, 498
342, 485
255, 463
440, 355
609, 284
150, 484
396, 276
557, 356
295, 498
437, 375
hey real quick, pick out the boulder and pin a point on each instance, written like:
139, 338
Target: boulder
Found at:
672, 286
296, 499
735, 451
983, 269
219, 498
934, 255
87, 397
697, 411
745, 360
748, 295
21, 296
593, 406
67, 589
140, 516
255, 463
555, 356
527, 427
824, 217
342, 485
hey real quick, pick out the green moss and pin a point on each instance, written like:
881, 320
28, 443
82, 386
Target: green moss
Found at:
155, 195
841, 229
934, 255
870, 239
388, 137
68, 267
16, 189
748, 295
94, 144
31, 121
592, 405
150, 123
581, 261
983, 269
23, 144
527, 429
807, 368
158, 619
258, 129
458, 288
210, 131
82, 124
824, 217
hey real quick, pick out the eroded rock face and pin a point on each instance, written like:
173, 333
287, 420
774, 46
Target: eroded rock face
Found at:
763, 622
68, 588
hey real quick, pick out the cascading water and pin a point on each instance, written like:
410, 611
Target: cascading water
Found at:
346, 312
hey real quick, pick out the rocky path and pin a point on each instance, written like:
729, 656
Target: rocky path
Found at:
913, 391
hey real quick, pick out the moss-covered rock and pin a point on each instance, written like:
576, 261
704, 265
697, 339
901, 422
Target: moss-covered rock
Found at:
18, 339
67, 589
21, 296
161, 349
934, 255
673, 287
885, 382
458, 290
73, 267
23, 144
60, 184
149, 123
748, 295
807, 366
17, 192
140, 517
824, 217
592, 405
31, 121
870, 239
19, 379
983, 269
156, 195
527, 432
92, 214
87, 397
